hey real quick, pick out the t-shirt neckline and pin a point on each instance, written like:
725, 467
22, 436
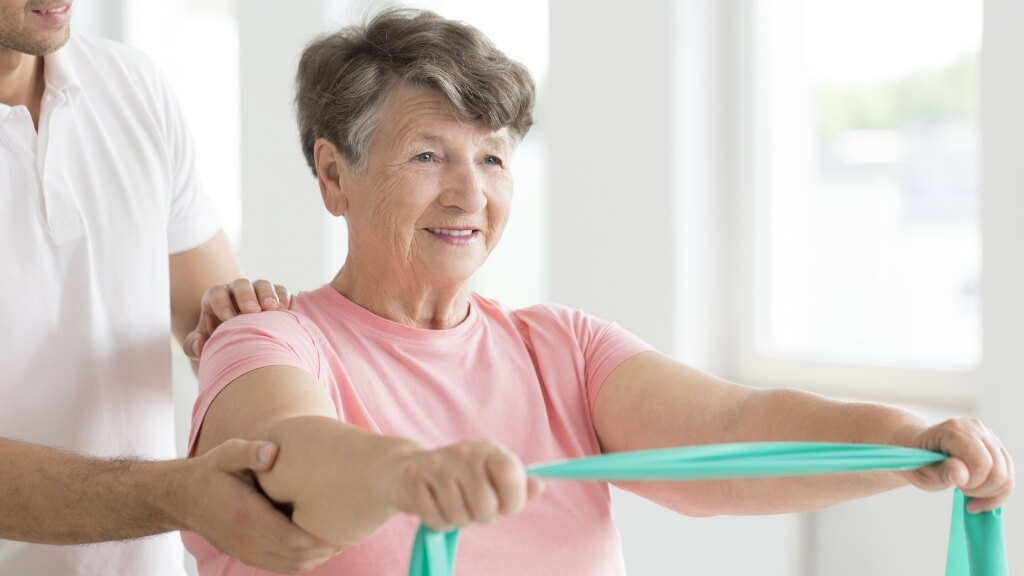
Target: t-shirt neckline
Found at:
337, 304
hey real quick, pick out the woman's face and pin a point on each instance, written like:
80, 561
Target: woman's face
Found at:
434, 197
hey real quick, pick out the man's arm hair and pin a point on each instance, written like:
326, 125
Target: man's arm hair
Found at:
57, 497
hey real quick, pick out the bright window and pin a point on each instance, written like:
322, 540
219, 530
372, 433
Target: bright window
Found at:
866, 236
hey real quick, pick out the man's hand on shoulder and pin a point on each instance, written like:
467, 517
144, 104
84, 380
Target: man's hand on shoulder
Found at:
225, 301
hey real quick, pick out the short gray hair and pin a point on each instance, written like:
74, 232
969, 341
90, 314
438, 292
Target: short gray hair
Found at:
344, 78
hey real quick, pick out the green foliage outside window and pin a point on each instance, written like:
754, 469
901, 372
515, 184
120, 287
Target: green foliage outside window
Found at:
923, 97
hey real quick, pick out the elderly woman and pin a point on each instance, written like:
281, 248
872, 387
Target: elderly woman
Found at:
398, 396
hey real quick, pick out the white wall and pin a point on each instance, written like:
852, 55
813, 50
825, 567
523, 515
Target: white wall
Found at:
1002, 125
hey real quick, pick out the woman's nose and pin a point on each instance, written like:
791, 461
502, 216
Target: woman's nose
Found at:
463, 188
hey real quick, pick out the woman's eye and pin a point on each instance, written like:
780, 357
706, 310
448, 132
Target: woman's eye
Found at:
425, 157
492, 160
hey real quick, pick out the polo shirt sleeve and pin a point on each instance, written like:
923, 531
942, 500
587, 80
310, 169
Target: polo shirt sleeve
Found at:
248, 342
192, 219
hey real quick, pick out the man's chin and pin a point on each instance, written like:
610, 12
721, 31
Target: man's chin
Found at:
41, 45
58, 43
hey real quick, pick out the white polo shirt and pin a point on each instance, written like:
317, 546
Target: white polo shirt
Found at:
90, 208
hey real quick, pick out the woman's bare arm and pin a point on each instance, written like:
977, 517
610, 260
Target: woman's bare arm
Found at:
651, 401
344, 482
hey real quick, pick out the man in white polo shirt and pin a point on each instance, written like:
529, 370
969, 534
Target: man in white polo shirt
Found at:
102, 223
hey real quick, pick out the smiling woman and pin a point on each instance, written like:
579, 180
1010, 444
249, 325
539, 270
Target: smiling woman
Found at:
424, 212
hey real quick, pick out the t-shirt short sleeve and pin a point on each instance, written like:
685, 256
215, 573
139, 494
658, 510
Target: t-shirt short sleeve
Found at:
603, 345
246, 343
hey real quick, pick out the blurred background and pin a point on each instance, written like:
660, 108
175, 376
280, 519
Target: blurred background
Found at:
812, 193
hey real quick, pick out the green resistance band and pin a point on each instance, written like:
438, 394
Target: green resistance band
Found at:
976, 545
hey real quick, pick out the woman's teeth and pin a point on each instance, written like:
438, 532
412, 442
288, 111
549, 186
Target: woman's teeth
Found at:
446, 232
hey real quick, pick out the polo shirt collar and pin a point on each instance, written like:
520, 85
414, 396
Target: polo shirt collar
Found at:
60, 75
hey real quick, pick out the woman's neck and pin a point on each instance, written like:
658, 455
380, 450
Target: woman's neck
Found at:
408, 301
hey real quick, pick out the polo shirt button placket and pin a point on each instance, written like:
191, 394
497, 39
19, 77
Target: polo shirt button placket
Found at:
62, 211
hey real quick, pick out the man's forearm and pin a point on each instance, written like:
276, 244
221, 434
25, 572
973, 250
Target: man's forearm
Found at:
56, 497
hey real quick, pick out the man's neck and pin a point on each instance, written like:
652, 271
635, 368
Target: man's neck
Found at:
21, 81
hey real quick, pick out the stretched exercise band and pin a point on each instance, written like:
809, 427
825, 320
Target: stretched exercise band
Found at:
976, 545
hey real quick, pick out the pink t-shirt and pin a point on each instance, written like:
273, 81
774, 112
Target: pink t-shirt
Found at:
525, 378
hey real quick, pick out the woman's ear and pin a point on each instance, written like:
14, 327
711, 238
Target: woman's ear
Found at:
332, 174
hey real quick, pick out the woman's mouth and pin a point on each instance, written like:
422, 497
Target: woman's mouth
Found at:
454, 235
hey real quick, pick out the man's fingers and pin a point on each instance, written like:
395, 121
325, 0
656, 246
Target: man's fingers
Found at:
287, 548
218, 302
243, 295
295, 562
240, 521
193, 344
237, 455
266, 295
282, 536
283, 296
225, 301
